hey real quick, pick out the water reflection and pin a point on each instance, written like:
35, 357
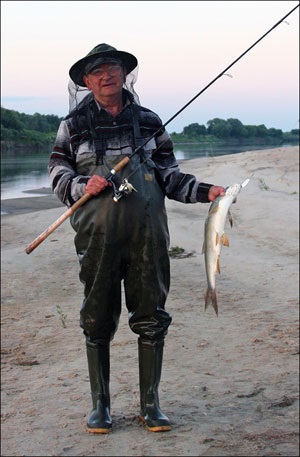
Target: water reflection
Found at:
23, 172
193, 151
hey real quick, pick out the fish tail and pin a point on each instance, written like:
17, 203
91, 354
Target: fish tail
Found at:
211, 298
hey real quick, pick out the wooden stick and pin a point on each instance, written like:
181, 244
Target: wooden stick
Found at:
35, 243
119, 166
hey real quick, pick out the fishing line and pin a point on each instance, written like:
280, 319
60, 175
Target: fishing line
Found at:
223, 73
213, 81
126, 159
146, 158
229, 66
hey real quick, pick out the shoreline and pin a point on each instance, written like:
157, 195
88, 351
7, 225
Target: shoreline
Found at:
229, 384
30, 204
48, 200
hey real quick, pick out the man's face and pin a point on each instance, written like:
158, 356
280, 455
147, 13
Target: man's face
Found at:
105, 80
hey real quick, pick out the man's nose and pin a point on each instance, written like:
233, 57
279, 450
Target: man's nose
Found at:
106, 74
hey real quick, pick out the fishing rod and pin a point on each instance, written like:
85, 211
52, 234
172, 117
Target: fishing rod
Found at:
229, 66
125, 187
118, 194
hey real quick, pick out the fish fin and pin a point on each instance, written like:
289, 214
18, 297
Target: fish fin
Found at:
203, 248
213, 209
230, 218
211, 298
218, 265
225, 240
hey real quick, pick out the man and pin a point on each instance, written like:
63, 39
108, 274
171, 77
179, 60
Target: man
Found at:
125, 241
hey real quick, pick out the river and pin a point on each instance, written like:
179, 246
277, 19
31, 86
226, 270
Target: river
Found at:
21, 173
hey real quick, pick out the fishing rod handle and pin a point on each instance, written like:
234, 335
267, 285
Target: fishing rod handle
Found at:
118, 167
35, 243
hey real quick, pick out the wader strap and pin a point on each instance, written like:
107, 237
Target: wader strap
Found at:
137, 131
100, 150
98, 142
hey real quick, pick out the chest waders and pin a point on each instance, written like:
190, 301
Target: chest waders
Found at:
126, 241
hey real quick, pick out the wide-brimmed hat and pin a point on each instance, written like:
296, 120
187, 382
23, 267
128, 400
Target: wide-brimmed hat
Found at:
100, 54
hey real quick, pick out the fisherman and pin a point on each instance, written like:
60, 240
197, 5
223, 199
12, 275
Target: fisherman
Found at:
126, 241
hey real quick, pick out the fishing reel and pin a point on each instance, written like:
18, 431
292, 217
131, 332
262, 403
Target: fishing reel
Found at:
121, 190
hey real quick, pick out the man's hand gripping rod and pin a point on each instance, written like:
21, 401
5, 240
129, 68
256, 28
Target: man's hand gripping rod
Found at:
120, 189
118, 193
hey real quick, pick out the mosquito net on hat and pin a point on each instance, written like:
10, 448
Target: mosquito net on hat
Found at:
79, 95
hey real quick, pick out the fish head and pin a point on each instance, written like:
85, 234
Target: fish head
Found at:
233, 190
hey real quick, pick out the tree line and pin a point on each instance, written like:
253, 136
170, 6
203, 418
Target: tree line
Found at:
35, 129
232, 130
40, 130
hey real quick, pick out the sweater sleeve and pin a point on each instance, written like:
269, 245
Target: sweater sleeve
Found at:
66, 183
178, 186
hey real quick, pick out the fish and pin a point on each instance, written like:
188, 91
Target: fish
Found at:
215, 237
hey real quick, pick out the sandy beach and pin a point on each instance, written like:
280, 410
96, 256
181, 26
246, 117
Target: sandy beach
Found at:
230, 384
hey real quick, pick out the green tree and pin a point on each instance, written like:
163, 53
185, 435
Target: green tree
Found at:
261, 131
275, 133
218, 127
237, 129
194, 130
251, 131
28, 129
11, 120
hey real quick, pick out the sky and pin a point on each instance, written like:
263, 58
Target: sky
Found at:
181, 47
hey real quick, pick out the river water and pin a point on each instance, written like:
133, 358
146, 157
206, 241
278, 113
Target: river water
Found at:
21, 173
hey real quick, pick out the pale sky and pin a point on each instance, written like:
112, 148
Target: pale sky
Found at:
181, 47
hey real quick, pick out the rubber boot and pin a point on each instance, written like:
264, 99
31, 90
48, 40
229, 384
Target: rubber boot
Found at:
150, 364
99, 420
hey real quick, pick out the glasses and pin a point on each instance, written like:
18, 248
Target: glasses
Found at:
112, 70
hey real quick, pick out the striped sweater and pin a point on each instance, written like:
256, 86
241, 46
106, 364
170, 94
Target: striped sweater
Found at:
90, 132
